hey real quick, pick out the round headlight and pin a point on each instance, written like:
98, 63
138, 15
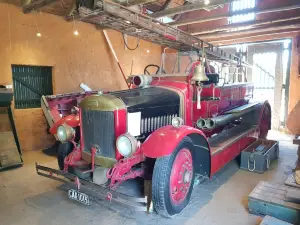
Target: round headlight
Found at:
177, 122
126, 145
65, 133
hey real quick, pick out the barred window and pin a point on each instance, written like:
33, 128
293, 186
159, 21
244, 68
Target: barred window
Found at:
238, 7
30, 83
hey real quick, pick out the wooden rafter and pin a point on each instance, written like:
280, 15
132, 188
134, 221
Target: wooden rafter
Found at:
226, 16
250, 37
37, 5
188, 8
133, 2
246, 32
240, 26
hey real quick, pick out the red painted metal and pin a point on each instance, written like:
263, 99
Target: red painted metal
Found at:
122, 170
168, 138
181, 176
109, 196
173, 38
74, 159
120, 117
226, 98
219, 160
58, 106
93, 153
71, 120
77, 183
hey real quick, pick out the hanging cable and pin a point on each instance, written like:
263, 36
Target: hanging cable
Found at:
132, 49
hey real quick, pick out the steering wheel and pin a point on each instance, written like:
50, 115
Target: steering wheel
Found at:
155, 66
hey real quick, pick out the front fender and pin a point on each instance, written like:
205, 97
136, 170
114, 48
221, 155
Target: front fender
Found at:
164, 140
71, 120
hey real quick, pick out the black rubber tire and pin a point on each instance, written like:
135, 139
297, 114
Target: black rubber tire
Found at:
64, 149
161, 182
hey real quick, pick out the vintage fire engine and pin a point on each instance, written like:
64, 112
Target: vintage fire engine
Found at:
167, 128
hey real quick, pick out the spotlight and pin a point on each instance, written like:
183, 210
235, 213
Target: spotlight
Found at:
148, 51
76, 33
206, 2
38, 34
128, 22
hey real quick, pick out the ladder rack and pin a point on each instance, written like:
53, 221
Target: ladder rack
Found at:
127, 21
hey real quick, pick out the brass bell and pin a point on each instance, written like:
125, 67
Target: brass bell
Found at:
199, 74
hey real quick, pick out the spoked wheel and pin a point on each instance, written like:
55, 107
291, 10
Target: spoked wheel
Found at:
172, 181
265, 124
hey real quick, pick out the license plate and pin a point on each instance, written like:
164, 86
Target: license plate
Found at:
78, 196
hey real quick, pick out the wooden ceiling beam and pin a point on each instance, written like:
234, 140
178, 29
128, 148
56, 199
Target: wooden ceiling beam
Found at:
250, 37
222, 35
37, 5
240, 26
226, 16
189, 8
133, 2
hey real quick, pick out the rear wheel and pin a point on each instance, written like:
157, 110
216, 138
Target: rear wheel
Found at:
265, 123
173, 178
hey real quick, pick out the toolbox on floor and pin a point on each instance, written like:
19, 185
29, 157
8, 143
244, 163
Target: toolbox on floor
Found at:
258, 156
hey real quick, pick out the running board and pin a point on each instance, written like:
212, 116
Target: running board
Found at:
228, 137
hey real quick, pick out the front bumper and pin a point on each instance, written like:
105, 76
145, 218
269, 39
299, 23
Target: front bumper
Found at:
94, 190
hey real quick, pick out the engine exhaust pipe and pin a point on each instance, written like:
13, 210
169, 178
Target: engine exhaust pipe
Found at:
201, 123
223, 120
210, 124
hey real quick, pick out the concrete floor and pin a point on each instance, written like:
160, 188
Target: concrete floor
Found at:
27, 198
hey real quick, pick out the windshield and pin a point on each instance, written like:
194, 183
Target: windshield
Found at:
179, 62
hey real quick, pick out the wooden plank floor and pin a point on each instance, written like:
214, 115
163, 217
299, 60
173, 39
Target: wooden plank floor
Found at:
270, 199
291, 181
268, 220
9, 155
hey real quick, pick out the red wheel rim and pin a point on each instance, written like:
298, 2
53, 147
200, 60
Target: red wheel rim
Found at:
181, 176
265, 123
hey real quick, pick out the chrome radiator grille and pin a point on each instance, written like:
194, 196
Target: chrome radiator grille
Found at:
98, 130
153, 123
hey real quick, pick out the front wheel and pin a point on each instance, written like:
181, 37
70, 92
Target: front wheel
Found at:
64, 149
173, 178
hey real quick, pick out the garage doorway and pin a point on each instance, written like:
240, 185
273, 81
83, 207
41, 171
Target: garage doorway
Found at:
270, 74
